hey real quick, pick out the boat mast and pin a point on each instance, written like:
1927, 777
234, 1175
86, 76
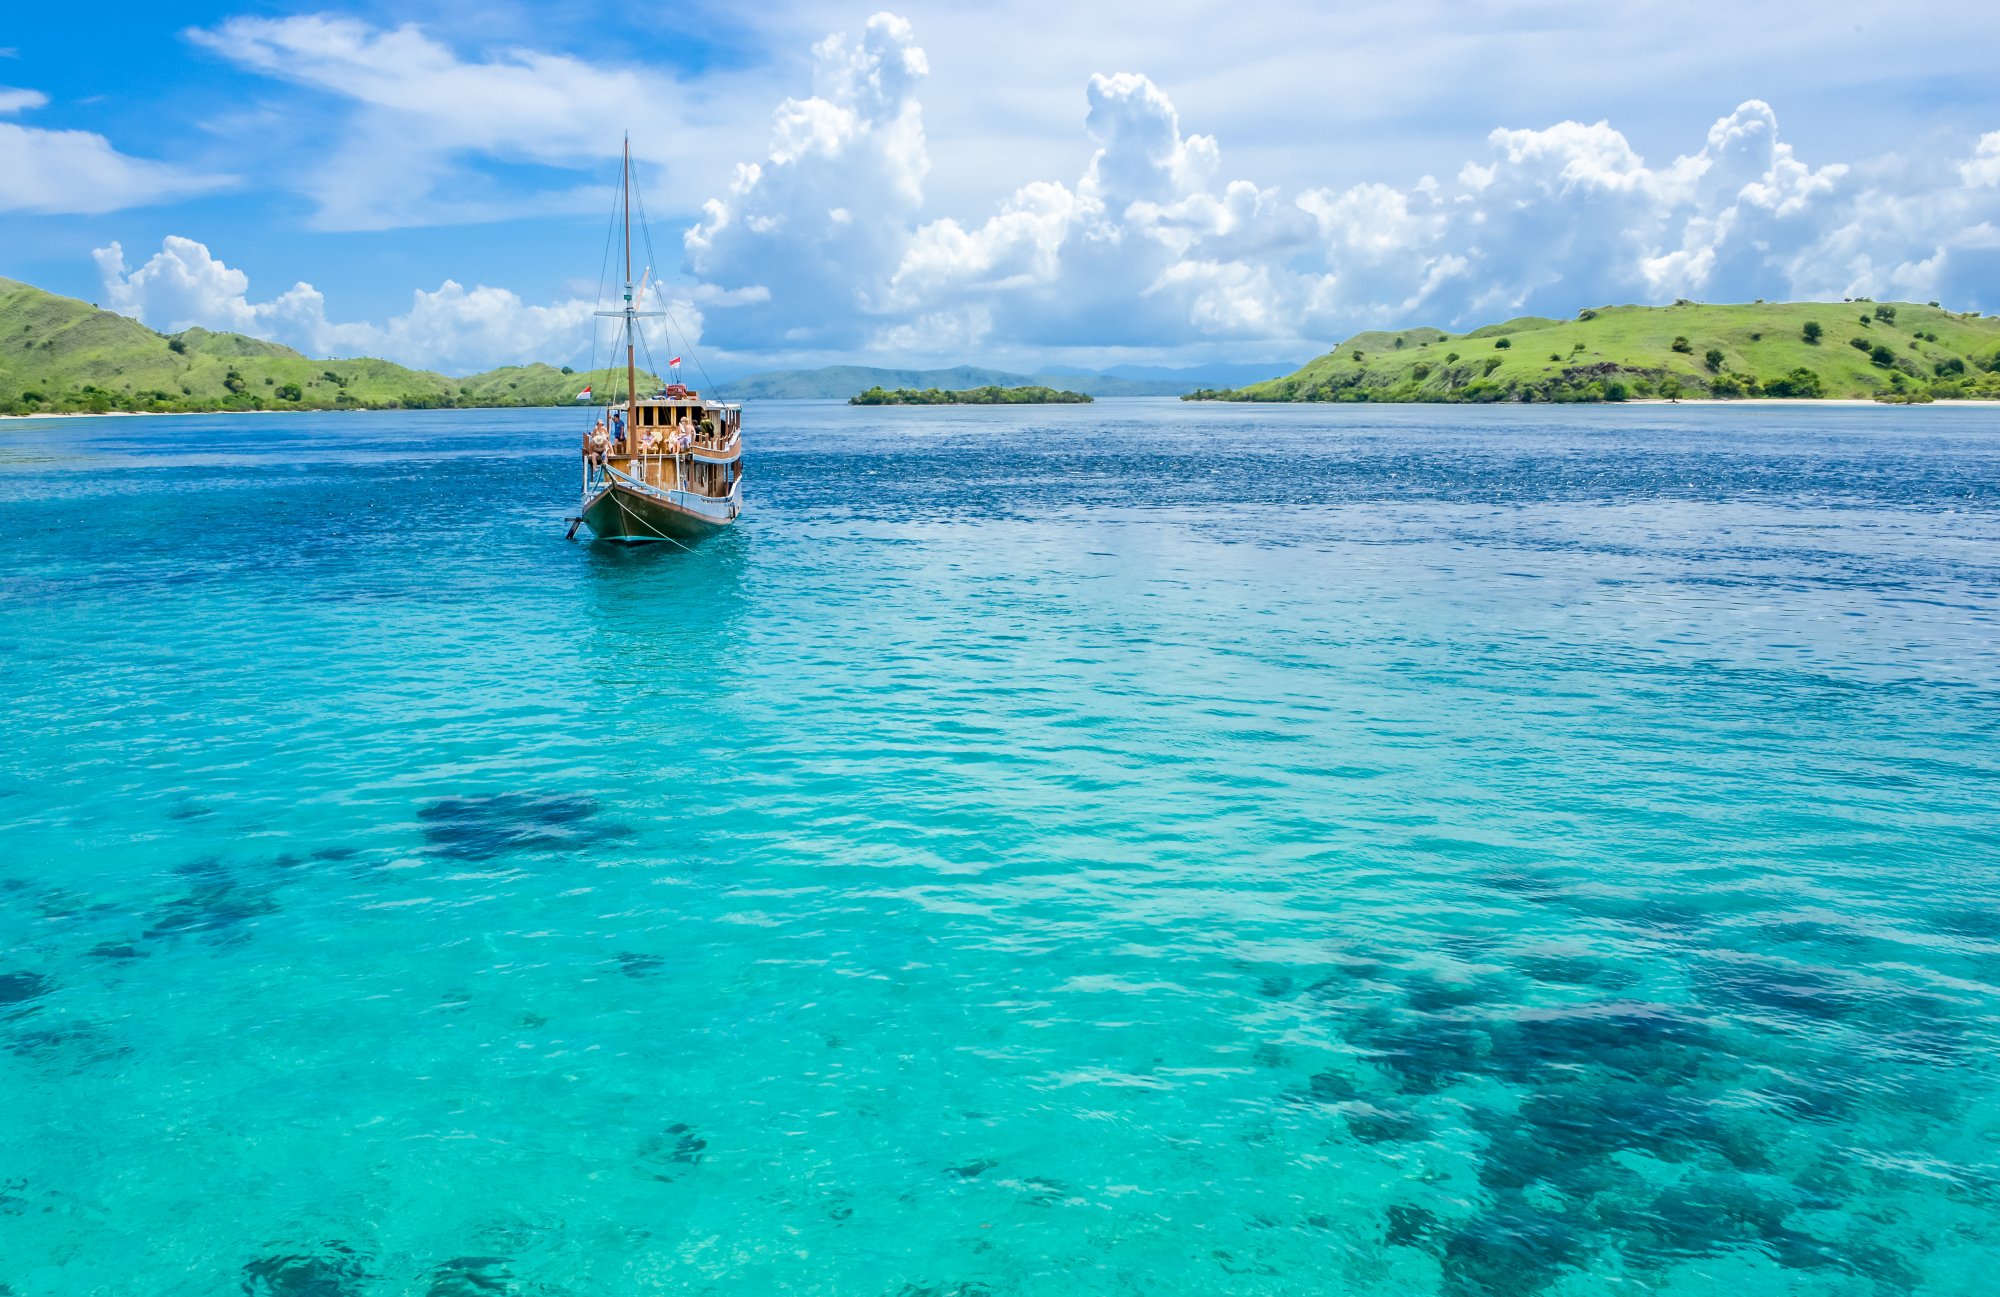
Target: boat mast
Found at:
631, 322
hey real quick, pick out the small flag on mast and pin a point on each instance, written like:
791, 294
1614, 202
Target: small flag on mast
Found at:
584, 395
675, 361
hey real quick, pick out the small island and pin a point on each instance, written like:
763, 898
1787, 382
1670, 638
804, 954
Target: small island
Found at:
970, 396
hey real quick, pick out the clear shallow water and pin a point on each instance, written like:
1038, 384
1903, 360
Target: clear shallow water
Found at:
1136, 849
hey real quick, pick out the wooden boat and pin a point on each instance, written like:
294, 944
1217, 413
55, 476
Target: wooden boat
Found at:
666, 467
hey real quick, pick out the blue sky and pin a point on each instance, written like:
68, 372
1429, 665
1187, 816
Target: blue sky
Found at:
1031, 183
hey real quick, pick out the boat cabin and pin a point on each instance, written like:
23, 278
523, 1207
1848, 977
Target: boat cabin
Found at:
678, 442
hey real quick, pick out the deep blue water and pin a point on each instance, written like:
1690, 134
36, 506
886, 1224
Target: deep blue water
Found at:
1124, 849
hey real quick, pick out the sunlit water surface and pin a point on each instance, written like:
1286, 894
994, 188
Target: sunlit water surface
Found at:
1130, 849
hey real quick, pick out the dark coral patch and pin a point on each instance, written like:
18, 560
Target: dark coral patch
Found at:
20, 990
1559, 969
1428, 994
1410, 1226
1332, 1086
1429, 1053
1373, 1125
672, 1153
633, 964
1516, 882
1629, 1038
471, 1276
216, 904
334, 1270
1763, 986
1565, 1137
486, 828
1511, 1250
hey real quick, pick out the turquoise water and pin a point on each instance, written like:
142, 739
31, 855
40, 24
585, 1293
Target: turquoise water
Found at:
1130, 849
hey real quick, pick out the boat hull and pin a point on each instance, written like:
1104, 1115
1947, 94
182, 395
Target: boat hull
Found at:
630, 516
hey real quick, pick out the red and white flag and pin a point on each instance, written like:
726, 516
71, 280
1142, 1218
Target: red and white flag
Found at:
584, 395
675, 361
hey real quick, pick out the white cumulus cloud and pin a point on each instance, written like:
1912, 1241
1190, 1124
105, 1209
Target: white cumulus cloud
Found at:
820, 223
421, 115
1153, 246
453, 329
56, 172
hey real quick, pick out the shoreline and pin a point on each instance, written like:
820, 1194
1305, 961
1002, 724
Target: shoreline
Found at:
185, 414
1793, 402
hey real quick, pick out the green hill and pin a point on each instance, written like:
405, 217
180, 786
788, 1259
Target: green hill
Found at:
58, 354
1891, 351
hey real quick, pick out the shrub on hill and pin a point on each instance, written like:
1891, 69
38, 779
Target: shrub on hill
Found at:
1501, 344
1801, 383
1713, 359
1811, 333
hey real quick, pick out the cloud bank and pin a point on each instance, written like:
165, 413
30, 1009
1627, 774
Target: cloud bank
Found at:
1152, 246
1147, 243
455, 329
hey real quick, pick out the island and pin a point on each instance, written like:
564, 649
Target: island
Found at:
1856, 349
63, 356
970, 396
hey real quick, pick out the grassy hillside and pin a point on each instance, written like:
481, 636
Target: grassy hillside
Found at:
1890, 351
59, 354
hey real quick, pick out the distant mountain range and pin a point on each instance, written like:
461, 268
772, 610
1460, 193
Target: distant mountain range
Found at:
58, 354
838, 382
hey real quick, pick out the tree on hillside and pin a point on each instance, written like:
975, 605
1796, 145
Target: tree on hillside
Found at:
1503, 343
1886, 314
1801, 382
1713, 359
1811, 333
1670, 387
1682, 345
1881, 356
